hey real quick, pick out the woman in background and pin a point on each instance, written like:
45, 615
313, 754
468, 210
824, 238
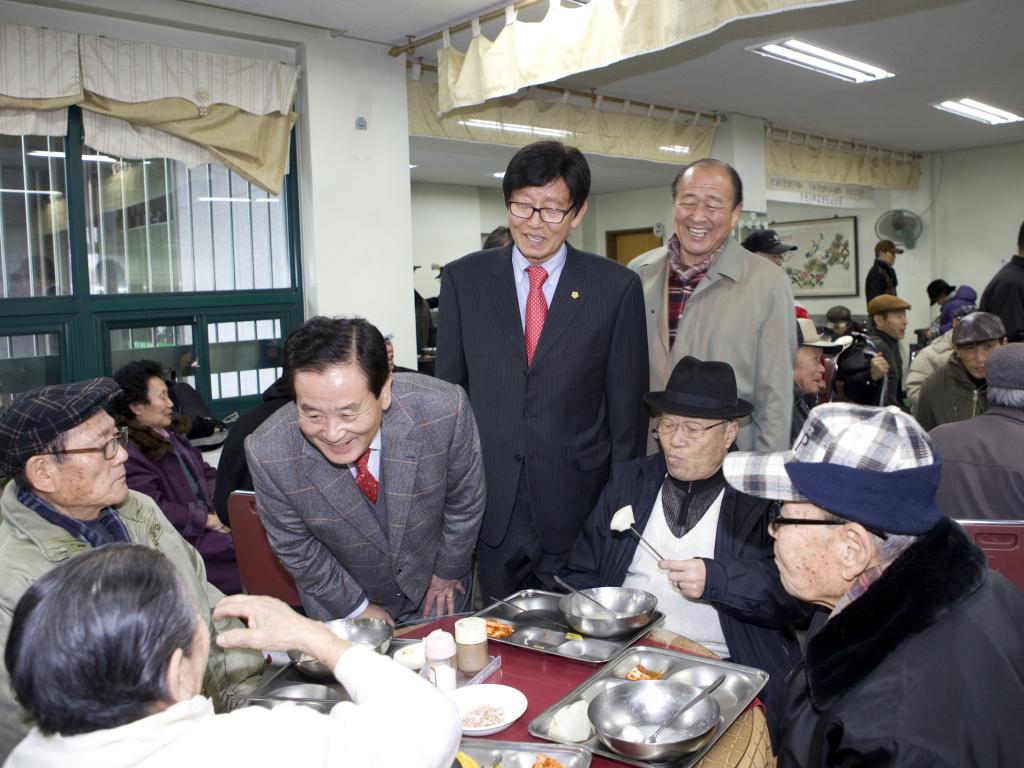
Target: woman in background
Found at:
163, 464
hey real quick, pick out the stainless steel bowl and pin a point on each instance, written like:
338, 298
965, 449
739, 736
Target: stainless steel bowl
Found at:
625, 715
375, 633
628, 611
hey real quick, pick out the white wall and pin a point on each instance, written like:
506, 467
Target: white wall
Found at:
446, 225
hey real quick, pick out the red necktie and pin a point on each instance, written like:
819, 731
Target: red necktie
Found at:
536, 309
367, 482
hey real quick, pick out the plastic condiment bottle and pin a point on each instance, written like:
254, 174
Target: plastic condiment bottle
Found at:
471, 644
439, 649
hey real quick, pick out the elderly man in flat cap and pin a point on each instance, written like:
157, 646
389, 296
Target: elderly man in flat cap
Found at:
717, 583
889, 325
68, 495
957, 390
921, 661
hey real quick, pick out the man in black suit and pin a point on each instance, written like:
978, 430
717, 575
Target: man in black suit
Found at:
550, 343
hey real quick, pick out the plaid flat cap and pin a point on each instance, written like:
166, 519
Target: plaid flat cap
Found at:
874, 466
32, 420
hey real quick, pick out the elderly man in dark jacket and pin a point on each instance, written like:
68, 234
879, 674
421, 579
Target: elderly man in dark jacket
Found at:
717, 584
921, 661
982, 463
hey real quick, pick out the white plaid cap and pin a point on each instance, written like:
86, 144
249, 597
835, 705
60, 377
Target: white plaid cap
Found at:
844, 434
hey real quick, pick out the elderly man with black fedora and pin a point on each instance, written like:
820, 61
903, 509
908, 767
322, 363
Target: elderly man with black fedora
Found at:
717, 583
921, 660
68, 496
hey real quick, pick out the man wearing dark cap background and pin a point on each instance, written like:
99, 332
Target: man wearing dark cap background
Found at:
717, 584
982, 460
921, 660
956, 391
766, 242
881, 278
69, 495
889, 324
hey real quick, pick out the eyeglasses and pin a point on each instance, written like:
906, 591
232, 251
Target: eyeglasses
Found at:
108, 449
776, 521
666, 427
547, 215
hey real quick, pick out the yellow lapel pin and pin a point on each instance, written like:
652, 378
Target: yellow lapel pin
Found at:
575, 294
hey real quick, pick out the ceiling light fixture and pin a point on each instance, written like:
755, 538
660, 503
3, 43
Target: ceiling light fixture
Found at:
33, 191
514, 128
976, 110
676, 148
412, 165
823, 61
92, 158
499, 175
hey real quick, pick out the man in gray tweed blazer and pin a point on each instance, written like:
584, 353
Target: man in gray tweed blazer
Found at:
370, 485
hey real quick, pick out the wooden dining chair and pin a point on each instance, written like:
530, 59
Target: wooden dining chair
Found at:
261, 571
1002, 541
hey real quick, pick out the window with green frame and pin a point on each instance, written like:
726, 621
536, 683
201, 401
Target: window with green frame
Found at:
105, 260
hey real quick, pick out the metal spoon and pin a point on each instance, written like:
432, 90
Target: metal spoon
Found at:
699, 697
536, 613
566, 585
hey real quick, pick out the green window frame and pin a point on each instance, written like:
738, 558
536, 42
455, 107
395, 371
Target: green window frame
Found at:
83, 321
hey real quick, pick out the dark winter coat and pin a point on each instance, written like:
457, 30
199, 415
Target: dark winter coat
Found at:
154, 470
962, 297
742, 581
926, 668
881, 278
982, 466
1004, 296
950, 395
890, 349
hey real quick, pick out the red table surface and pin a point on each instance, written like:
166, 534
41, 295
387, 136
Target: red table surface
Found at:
543, 678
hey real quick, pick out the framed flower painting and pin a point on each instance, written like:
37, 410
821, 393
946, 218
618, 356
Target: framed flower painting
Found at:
825, 261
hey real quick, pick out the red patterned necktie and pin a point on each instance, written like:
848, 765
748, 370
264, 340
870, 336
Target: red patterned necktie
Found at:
536, 309
367, 482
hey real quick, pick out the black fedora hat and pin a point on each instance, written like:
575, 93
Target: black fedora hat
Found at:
704, 390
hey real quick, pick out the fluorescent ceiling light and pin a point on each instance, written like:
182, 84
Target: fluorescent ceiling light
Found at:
92, 158
411, 166
33, 191
823, 61
677, 148
499, 175
514, 128
976, 110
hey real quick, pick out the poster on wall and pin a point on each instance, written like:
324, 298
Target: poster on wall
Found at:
825, 261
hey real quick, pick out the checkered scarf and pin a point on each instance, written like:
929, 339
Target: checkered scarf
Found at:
682, 282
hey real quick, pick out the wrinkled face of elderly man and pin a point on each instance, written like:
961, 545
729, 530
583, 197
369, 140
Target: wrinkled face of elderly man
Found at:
694, 448
86, 474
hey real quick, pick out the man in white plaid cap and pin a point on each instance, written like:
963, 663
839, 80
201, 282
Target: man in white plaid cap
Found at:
921, 660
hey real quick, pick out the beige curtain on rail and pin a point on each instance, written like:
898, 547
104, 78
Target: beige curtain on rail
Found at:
572, 40
39, 79
517, 122
866, 168
140, 100
154, 101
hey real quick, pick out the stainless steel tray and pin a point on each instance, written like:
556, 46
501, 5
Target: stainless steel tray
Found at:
537, 635
521, 754
288, 684
741, 685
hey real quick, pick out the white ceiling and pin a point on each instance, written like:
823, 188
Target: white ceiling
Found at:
938, 49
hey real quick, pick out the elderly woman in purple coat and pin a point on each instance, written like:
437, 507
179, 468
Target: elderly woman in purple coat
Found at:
163, 464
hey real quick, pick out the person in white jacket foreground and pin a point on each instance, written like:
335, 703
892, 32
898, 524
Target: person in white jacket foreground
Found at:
107, 654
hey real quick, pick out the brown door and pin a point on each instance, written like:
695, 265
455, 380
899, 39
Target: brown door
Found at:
624, 245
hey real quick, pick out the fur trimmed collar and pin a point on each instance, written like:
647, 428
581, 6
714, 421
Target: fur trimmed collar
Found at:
153, 445
938, 572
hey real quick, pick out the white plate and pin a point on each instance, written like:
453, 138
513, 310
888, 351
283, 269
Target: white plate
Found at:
511, 701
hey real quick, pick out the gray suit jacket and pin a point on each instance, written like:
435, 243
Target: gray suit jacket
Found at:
324, 530
741, 313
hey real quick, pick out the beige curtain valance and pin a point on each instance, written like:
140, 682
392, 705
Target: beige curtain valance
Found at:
141, 100
865, 166
517, 122
573, 40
